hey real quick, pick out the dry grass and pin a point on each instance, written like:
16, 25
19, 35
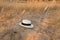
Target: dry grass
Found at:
44, 15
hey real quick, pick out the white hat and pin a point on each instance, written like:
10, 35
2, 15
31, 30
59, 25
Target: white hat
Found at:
26, 23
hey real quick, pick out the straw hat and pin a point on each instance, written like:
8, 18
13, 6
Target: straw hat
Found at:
26, 23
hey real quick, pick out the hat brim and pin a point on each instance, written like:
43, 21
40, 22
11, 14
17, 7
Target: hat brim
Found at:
31, 26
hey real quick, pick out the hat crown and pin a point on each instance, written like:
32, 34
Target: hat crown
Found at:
26, 21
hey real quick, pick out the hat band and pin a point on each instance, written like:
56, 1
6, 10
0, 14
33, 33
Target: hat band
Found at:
26, 24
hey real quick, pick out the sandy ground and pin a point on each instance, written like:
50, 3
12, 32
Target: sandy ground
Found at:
44, 15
